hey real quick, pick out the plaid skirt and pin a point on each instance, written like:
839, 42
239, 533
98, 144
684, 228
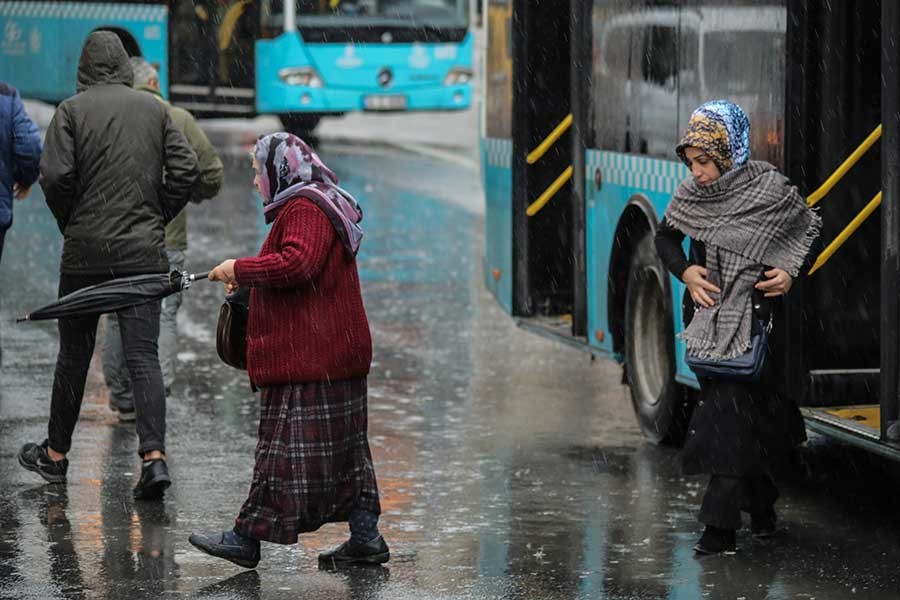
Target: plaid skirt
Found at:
313, 464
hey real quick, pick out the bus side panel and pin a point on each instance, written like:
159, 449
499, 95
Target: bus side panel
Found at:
624, 178
41, 41
496, 160
350, 73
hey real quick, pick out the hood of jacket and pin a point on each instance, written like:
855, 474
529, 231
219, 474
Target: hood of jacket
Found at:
103, 61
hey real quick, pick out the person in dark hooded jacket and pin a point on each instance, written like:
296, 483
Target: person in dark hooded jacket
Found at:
115, 170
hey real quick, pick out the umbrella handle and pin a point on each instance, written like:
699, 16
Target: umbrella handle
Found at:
196, 276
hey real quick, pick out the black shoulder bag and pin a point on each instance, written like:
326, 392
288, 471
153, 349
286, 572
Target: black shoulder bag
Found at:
231, 330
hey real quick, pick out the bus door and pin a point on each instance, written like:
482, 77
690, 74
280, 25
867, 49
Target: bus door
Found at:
544, 262
835, 321
211, 56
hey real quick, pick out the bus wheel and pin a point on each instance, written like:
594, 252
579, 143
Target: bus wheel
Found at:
659, 401
300, 124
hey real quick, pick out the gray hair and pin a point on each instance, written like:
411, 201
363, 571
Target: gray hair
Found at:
143, 71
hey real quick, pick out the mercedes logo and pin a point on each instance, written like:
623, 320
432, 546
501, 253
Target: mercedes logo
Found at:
385, 77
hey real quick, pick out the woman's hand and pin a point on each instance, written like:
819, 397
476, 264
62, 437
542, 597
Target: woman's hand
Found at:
694, 277
225, 273
778, 283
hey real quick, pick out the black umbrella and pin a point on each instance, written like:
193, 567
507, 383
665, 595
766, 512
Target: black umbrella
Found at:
115, 294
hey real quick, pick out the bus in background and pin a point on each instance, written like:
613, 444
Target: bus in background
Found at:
300, 60
585, 104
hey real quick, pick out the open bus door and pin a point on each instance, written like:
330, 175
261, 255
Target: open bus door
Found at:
547, 218
211, 56
841, 348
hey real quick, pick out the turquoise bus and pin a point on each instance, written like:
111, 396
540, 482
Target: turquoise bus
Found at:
300, 60
584, 103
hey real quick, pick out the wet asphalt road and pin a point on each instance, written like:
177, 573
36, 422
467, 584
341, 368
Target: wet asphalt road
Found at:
510, 466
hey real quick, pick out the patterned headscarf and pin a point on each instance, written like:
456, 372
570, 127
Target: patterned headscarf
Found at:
289, 168
721, 130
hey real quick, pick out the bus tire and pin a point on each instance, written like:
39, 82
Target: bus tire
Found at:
660, 403
300, 124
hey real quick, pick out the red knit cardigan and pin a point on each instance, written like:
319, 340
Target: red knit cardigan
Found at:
307, 320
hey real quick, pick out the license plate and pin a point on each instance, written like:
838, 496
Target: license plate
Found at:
385, 102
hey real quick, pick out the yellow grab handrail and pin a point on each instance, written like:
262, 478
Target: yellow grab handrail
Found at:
847, 232
541, 150
820, 193
544, 198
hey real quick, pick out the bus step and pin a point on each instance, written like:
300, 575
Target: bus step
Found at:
854, 425
863, 419
557, 328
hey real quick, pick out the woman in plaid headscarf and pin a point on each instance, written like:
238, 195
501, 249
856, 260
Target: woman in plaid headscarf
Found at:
309, 351
751, 234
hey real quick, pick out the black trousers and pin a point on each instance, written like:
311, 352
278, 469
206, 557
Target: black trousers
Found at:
139, 326
727, 496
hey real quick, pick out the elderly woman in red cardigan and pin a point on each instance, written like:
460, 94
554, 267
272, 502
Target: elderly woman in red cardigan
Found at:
309, 351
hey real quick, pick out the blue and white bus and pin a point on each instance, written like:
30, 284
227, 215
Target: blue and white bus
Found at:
585, 102
301, 59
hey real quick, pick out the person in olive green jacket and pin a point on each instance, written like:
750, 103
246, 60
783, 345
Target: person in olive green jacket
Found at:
115, 370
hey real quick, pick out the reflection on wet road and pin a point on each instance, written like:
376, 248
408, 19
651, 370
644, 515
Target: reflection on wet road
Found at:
510, 466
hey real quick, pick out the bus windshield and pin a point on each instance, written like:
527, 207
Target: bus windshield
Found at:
411, 13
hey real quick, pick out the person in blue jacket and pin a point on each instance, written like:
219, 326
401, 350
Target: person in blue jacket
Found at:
20, 155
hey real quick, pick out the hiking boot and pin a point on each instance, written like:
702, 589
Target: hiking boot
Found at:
153, 482
34, 457
716, 541
764, 525
230, 545
373, 552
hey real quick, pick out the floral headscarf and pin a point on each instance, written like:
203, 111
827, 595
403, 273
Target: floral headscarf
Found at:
721, 130
289, 168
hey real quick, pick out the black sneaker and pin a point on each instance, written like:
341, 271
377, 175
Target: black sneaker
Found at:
717, 541
154, 480
374, 552
764, 525
34, 457
230, 545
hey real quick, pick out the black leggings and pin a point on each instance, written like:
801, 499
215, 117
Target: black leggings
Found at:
139, 326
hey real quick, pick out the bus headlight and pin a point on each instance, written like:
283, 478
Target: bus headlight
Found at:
303, 76
458, 76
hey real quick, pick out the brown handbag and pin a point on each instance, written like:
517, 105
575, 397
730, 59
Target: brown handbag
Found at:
231, 330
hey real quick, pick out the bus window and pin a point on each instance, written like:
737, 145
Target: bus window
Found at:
192, 30
689, 95
498, 102
447, 12
612, 73
659, 60
657, 100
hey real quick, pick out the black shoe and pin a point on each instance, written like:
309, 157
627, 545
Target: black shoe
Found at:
716, 541
230, 545
764, 525
374, 552
35, 458
153, 482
